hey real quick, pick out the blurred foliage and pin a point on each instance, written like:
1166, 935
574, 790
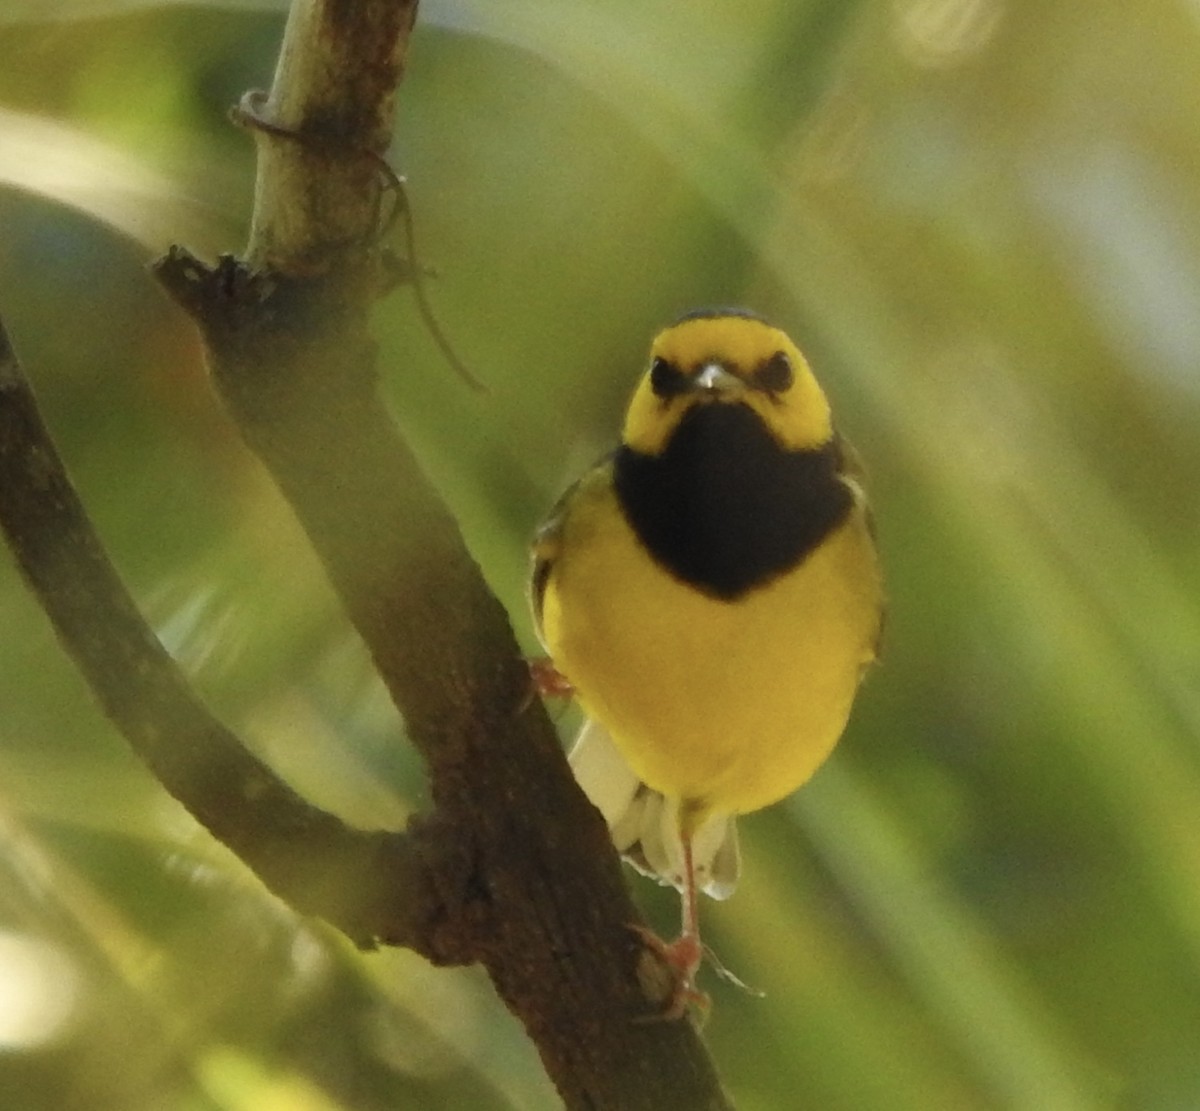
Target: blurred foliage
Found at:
981, 219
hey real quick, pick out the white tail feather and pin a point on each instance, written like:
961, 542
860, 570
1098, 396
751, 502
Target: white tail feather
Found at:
645, 824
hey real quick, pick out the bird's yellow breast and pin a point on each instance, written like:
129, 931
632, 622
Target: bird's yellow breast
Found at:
728, 704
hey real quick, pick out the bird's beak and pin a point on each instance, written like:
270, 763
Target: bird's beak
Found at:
713, 378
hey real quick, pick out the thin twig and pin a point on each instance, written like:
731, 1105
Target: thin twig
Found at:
248, 113
420, 292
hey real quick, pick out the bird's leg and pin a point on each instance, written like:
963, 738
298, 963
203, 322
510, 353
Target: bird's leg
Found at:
687, 948
683, 955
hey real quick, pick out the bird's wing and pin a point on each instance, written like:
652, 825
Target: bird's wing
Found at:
853, 473
547, 542
548, 539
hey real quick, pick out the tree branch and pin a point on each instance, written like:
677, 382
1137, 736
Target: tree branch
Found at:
339, 65
370, 885
514, 867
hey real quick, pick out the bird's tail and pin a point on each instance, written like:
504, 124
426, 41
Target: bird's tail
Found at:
645, 824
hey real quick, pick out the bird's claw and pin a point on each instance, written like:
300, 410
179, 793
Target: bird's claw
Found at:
669, 975
548, 681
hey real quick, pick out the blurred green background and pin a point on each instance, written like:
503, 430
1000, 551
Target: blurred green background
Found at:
980, 218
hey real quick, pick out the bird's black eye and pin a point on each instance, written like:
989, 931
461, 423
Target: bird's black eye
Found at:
775, 375
666, 380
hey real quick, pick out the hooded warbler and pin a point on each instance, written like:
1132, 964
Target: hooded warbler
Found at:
711, 593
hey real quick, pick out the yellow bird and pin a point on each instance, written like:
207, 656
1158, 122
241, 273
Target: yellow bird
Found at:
711, 593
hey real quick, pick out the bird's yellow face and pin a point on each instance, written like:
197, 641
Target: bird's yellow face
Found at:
726, 359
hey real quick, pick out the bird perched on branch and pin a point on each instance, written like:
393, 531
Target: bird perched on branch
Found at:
711, 593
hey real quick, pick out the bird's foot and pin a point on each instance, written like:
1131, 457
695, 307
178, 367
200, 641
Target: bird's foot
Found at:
545, 681
667, 974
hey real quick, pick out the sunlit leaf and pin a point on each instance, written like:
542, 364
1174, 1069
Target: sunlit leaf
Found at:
61, 163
